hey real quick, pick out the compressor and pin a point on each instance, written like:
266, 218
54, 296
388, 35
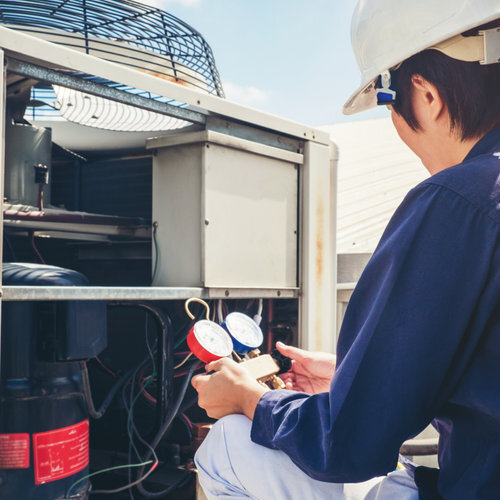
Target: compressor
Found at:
44, 426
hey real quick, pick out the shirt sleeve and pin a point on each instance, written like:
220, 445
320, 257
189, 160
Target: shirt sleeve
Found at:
409, 331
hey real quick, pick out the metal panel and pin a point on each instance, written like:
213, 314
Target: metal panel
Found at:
250, 219
25, 147
318, 263
226, 210
177, 215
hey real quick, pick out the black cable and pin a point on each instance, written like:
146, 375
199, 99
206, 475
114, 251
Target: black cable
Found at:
159, 436
157, 252
165, 354
137, 483
127, 486
189, 403
133, 428
130, 413
88, 394
151, 449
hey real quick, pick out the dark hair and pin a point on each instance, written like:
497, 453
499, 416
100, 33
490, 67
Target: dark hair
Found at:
471, 91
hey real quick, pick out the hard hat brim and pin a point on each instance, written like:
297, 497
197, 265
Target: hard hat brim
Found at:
363, 99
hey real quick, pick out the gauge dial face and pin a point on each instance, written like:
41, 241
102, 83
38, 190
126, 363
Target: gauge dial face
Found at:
244, 329
213, 338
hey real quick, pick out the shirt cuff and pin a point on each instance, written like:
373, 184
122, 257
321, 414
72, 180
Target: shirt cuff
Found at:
263, 428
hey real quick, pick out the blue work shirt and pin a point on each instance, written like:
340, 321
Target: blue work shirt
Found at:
420, 342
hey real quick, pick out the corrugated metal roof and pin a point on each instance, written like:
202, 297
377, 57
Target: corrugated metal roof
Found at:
376, 170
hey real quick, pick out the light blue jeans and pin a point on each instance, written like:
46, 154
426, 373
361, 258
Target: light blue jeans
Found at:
231, 466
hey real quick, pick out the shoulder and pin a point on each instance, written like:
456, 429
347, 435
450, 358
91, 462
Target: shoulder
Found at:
476, 182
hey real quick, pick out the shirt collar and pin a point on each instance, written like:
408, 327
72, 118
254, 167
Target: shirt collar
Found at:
488, 143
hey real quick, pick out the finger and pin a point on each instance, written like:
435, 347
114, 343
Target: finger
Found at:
218, 364
199, 379
287, 376
290, 351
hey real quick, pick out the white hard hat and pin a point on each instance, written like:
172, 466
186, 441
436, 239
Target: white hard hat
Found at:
386, 32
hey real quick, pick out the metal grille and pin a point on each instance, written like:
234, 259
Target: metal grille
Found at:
123, 31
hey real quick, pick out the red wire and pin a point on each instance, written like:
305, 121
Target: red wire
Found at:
186, 419
35, 248
111, 372
181, 374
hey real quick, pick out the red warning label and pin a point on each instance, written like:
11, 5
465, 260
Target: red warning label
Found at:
61, 452
14, 451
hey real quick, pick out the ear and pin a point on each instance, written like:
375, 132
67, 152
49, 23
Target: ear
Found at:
427, 100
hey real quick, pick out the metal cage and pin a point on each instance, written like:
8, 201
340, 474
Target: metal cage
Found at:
123, 31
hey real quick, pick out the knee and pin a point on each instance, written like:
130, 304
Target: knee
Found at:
227, 430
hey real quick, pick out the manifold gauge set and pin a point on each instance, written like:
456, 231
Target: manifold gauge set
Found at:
209, 341
238, 335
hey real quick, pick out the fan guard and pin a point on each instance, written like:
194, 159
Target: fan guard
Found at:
124, 31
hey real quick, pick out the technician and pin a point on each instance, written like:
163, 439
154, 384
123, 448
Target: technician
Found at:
420, 341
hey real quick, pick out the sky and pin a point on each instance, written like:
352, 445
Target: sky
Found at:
291, 58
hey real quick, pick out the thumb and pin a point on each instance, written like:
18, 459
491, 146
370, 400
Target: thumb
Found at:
291, 352
197, 379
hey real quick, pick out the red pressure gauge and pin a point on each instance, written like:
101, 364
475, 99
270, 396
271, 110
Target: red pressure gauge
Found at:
207, 340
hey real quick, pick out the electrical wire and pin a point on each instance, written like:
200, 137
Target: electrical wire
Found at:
134, 385
130, 485
132, 429
188, 424
105, 368
164, 354
157, 252
35, 248
220, 316
159, 436
198, 365
109, 469
151, 447
133, 400
96, 414
183, 361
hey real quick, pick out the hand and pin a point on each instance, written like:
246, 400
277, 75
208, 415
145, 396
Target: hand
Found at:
228, 388
311, 372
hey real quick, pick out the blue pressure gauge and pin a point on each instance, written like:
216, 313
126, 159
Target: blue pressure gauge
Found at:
245, 332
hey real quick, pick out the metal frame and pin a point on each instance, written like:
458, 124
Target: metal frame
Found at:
318, 277
3, 80
31, 70
18, 293
317, 263
26, 48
